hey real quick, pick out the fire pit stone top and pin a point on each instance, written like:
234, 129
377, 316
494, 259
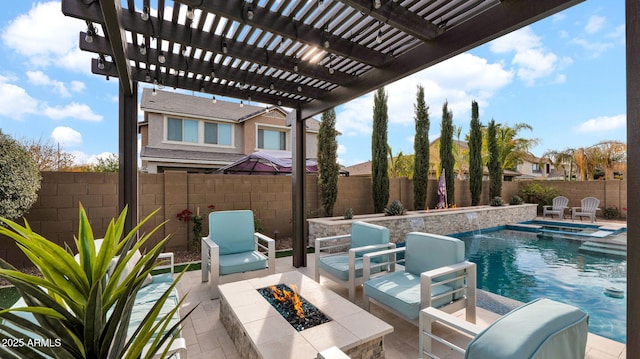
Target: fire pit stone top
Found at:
270, 332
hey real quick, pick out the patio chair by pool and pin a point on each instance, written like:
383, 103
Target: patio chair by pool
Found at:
589, 206
234, 251
345, 267
557, 207
435, 275
539, 329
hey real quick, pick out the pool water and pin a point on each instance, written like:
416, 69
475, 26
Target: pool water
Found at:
522, 266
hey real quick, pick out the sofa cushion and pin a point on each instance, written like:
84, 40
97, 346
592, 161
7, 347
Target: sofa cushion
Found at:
233, 231
338, 266
242, 262
401, 291
539, 329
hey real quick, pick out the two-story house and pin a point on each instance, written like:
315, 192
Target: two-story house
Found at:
198, 134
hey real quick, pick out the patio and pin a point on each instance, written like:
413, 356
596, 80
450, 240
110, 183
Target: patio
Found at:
207, 338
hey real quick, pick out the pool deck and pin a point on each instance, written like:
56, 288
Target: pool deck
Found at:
206, 337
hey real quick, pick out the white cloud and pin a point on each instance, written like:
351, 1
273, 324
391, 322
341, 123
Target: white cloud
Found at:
531, 60
594, 48
31, 35
595, 24
603, 123
72, 110
77, 86
458, 80
15, 102
342, 149
66, 136
41, 79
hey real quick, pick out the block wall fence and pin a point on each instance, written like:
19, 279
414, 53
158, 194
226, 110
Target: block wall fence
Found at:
55, 213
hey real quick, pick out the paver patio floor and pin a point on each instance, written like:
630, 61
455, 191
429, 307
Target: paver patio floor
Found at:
207, 338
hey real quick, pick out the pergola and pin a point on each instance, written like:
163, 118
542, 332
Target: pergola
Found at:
311, 56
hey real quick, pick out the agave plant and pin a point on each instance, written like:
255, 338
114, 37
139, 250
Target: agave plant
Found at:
395, 209
79, 306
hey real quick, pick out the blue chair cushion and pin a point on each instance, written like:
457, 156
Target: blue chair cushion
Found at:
366, 234
401, 291
426, 251
148, 296
242, 262
541, 328
338, 266
233, 231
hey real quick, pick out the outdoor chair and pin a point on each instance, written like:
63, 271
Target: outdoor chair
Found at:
589, 206
559, 204
345, 267
539, 329
234, 251
435, 274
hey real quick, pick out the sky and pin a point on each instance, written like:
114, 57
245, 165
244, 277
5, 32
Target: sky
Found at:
563, 75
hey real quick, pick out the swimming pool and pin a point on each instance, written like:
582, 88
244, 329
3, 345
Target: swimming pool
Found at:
524, 266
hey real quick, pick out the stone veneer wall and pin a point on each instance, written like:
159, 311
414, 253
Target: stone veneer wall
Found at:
444, 222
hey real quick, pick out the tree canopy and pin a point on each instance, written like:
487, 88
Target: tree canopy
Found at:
19, 178
379, 153
328, 168
421, 150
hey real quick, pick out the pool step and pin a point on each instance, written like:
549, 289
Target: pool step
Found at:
610, 249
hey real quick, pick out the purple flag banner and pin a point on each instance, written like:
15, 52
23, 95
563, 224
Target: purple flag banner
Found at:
442, 192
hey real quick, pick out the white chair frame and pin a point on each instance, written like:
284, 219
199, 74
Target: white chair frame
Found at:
210, 254
329, 244
468, 302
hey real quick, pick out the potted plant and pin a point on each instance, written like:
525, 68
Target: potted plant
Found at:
84, 304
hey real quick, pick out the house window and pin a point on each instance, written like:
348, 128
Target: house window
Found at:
182, 130
217, 133
272, 140
535, 168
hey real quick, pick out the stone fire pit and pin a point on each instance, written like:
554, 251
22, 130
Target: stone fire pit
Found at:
258, 330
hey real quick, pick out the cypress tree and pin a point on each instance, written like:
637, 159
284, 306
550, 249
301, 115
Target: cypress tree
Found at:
328, 168
379, 152
447, 159
494, 165
421, 150
475, 156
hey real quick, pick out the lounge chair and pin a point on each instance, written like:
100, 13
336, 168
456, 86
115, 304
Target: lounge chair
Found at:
559, 204
234, 251
539, 329
345, 267
435, 274
588, 208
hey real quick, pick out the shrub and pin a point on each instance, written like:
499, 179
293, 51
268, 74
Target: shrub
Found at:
536, 193
348, 213
19, 178
515, 200
395, 209
611, 212
78, 303
496, 201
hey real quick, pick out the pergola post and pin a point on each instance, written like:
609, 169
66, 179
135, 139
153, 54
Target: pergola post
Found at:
298, 183
128, 153
632, 11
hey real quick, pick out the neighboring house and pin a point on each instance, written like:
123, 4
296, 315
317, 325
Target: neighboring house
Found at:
537, 168
193, 133
461, 167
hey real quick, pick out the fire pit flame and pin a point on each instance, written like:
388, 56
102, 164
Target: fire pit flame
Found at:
289, 296
294, 309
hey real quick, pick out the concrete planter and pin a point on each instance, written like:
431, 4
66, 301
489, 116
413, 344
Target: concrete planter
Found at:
447, 221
